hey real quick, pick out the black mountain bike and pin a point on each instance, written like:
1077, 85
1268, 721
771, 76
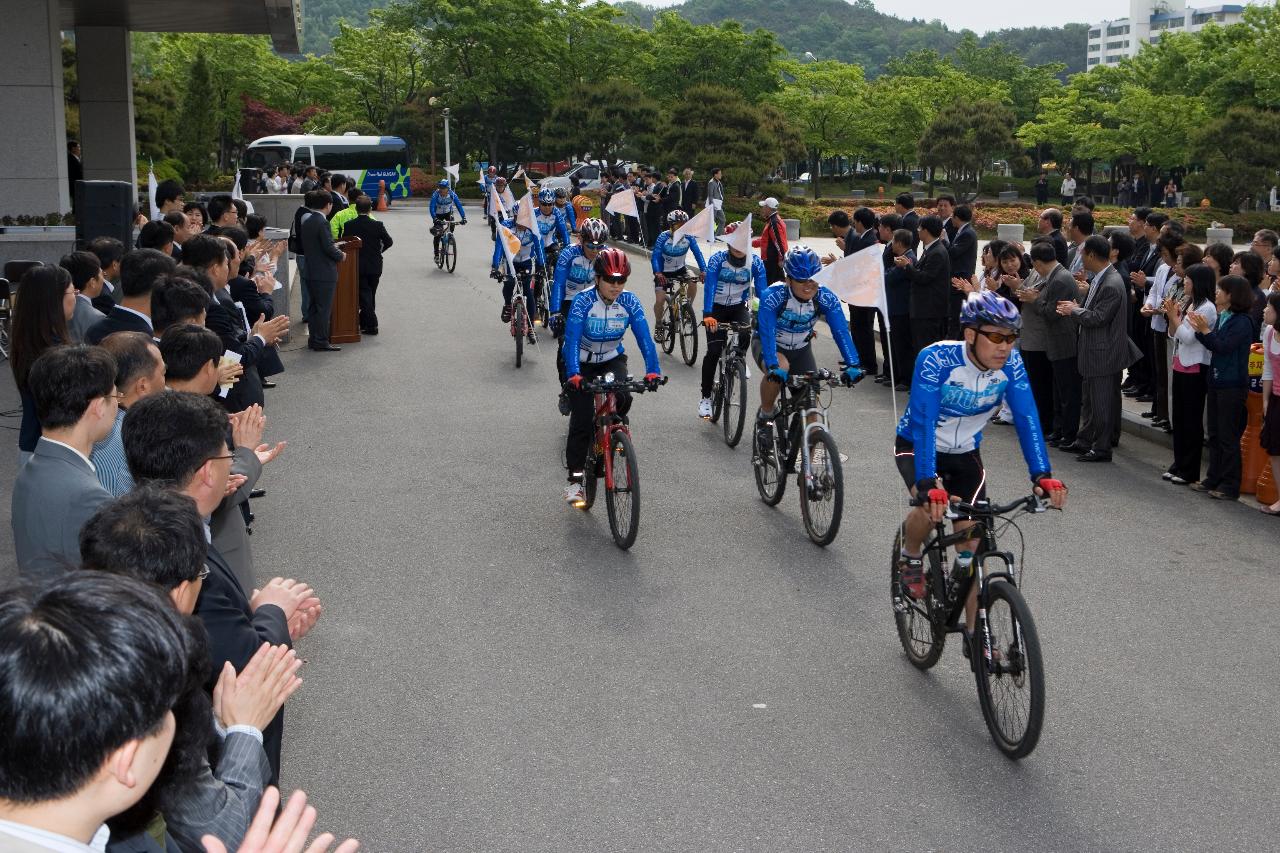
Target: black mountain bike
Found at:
1005, 650
447, 254
819, 478
679, 320
729, 392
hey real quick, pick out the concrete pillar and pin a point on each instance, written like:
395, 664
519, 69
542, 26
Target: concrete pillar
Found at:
33, 123
104, 64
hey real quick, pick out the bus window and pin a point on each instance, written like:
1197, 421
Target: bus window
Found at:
335, 158
266, 158
303, 155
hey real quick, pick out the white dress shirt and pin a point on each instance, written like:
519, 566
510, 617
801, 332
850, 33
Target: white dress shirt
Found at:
53, 841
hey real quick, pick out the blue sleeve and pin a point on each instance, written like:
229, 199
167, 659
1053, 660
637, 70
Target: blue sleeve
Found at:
640, 328
562, 228
655, 256
761, 277
697, 254
833, 312
453, 196
925, 403
573, 331
432, 203
538, 253
571, 216
561, 276
497, 251
770, 307
713, 283
1025, 416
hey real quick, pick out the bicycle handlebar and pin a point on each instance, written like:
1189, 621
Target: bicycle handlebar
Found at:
600, 386
958, 509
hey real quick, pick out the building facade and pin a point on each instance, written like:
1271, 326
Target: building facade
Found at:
1148, 21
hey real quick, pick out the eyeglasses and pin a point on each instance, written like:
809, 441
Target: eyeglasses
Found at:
204, 572
228, 456
998, 337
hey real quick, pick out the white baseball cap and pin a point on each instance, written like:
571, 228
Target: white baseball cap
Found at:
770, 202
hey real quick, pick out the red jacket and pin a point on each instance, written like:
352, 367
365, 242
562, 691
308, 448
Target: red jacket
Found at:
773, 240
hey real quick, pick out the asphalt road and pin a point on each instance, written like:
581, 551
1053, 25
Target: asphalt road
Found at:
492, 674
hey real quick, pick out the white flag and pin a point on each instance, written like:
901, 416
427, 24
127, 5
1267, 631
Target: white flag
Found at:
527, 213
858, 279
481, 180
151, 192
623, 202
237, 193
702, 226
495, 202
453, 170
510, 246
740, 239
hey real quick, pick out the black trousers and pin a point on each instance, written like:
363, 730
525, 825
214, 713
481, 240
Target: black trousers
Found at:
862, 328
1186, 415
925, 331
716, 340
1141, 371
368, 302
1227, 417
901, 348
1160, 373
321, 310
773, 271
582, 413
1040, 375
1066, 399
1100, 410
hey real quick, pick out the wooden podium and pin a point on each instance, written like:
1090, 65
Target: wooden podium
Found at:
344, 321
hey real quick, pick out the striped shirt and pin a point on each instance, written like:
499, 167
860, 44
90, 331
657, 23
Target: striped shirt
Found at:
109, 460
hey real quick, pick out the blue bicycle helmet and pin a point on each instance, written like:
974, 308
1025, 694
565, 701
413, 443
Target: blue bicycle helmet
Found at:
801, 263
991, 309
443, 185
547, 196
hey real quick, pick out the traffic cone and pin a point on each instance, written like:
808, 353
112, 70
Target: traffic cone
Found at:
382, 196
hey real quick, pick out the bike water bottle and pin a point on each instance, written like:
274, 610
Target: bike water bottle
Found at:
960, 569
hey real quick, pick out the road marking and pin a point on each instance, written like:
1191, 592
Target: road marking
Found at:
760, 706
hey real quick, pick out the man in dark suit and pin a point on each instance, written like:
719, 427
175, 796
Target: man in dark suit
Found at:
946, 212
1142, 272
904, 205
374, 240
1050, 225
930, 283
688, 192
321, 270
181, 439
139, 272
673, 195
57, 490
110, 252
75, 169
338, 195
86, 277
1104, 351
963, 249
1060, 340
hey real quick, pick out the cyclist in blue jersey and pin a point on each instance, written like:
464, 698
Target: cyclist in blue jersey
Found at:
957, 387
729, 281
593, 347
443, 202
788, 313
668, 259
566, 211
524, 260
551, 224
575, 272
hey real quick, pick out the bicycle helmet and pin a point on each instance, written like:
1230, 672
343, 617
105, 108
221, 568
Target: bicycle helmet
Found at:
989, 308
547, 196
731, 227
612, 265
677, 216
443, 185
801, 263
594, 233
560, 193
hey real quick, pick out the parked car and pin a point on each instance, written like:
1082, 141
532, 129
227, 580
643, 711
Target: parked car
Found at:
588, 175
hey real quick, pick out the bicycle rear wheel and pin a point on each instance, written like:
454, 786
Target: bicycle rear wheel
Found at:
735, 401
623, 499
919, 631
822, 490
669, 341
451, 254
767, 462
517, 328
688, 335
1011, 686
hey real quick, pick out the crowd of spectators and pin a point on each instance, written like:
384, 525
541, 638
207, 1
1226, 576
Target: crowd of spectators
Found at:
145, 660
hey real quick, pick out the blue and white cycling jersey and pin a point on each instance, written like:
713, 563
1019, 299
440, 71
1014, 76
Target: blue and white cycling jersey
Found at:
569, 215
787, 322
669, 253
552, 227
730, 285
443, 205
594, 329
530, 246
952, 399
574, 274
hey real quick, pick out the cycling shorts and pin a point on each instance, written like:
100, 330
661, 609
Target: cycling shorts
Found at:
798, 360
962, 474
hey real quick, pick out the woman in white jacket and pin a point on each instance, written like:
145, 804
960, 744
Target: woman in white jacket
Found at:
1190, 373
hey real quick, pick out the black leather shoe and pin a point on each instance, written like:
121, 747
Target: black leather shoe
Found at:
1145, 398
1094, 456
1073, 447
368, 331
1053, 442
1148, 414
901, 387
258, 493
266, 383
327, 348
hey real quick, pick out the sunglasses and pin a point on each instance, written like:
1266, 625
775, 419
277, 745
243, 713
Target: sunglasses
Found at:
998, 337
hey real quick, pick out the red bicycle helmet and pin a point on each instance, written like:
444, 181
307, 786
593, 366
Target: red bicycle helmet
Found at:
612, 265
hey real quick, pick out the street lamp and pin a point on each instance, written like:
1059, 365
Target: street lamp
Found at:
431, 102
448, 160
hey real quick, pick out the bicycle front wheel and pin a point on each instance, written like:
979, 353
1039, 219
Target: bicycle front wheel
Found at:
767, 462
517, 328
822, 489
1011, 684
919, 631
688, 335
451, 253
717, 393
735, 402
623, 497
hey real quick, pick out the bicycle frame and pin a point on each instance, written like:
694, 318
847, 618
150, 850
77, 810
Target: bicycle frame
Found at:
607, 423
799, 429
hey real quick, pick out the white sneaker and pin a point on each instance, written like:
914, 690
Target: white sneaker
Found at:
748, 367
704, 408
573, 495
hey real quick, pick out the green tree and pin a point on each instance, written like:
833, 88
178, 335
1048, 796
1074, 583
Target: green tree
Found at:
901, 109
1239, 151
965, 137
384, 66
197, 126
606, 121
827, 103
683, 54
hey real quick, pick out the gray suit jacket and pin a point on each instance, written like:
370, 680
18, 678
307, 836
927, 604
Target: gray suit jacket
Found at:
84, 317
317, 246
55, 494
1104, 346
226, 525
1060, 334
218, 802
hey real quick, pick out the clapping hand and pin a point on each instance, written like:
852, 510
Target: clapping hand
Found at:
1066, 307
266, 452
247, 426
253, 697
306, 617
1198, 322
964, 285
286, 593
283, 834
234, 482
229, 372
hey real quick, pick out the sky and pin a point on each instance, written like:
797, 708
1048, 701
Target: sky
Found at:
998, 14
